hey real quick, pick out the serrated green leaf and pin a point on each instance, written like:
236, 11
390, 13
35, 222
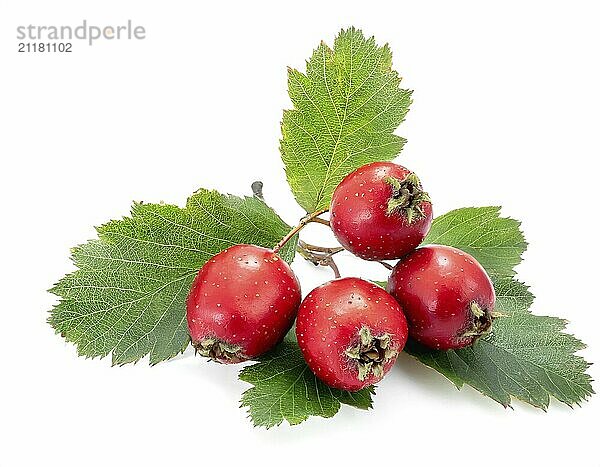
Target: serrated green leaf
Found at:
127, 297
284, 388
526, 356
497, 242
346, 108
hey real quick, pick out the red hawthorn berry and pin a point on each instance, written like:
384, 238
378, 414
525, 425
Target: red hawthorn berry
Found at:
380, 211
241, 304
446, 295
350, 332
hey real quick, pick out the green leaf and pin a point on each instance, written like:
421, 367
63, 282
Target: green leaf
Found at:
286, 388
127, 296
496, 242
526, 356
346, 108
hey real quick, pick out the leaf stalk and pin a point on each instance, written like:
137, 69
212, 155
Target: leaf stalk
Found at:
303, 222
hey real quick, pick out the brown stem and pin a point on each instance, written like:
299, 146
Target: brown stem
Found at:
320, 256
322, 249
331, 263
305, 220
389, 267
257, 190
318, 220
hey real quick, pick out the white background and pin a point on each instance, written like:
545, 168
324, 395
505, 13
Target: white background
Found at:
506, 111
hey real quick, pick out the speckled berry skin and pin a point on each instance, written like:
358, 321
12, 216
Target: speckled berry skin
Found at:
245, 297
359, 217
436, 287
329, 319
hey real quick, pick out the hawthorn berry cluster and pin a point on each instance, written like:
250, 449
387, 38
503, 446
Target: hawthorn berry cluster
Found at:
245, 299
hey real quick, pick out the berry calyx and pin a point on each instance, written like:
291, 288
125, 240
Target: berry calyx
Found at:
220, 351
407, 198
241, 304
350, 332
380, 211
371, 353
446, 295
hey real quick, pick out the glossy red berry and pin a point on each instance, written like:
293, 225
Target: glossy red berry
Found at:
380, 211
241, 304
446, 295
350, 332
